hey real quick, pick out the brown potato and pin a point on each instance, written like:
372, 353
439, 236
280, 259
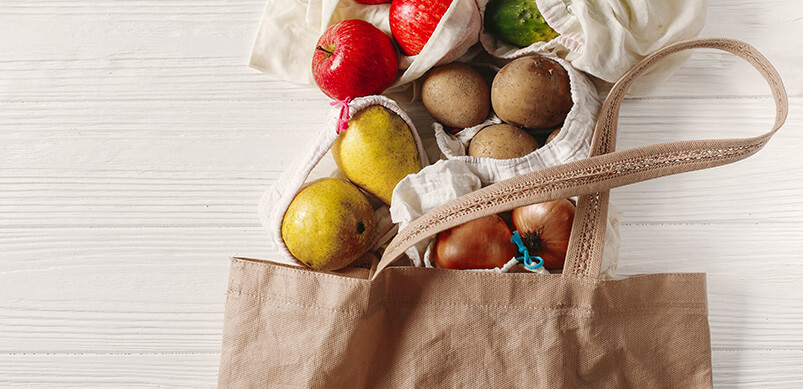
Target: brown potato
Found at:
552, 135
456, 95
502, 141
532, 92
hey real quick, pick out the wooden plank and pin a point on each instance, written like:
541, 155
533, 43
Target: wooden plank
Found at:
136, 143
757, 368
752, 270
162, 289
86, 173
119, 370
125, 44
766, 315
642, 121
732, 368
116, 323
749, 192
38, 248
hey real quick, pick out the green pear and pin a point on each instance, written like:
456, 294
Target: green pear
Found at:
377, 151
329, 224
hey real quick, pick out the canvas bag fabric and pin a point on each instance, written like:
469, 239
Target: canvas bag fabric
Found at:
289, 327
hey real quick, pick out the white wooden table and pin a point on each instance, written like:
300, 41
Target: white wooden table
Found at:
135, 144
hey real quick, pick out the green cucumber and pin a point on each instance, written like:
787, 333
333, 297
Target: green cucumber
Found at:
517, 22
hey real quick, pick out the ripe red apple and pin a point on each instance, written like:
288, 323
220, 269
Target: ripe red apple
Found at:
482, 243
353, 58
412, 22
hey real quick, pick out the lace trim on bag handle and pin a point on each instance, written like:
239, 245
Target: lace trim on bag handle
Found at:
584, 256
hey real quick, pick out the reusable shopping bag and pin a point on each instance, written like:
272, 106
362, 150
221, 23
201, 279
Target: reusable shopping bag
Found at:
401, 326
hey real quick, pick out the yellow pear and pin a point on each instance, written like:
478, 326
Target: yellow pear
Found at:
377, 151
329, 224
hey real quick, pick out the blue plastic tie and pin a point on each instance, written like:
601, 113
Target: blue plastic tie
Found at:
525, 257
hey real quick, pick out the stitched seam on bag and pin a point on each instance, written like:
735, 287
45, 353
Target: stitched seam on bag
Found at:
574, 310
531, 276
697, 309
567, 309
310, 275
548, 308
267, 298
332, 277
301, 271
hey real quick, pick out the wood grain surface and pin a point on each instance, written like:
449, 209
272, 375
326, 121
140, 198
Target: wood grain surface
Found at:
135, 143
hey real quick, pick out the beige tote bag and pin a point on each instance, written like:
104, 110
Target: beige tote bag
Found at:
405, 327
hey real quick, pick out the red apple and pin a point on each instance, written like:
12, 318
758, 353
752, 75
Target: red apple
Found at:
412, 22
483, 243
353, 58
371, 2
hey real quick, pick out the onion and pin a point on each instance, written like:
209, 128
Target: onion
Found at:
545, 229
483, 243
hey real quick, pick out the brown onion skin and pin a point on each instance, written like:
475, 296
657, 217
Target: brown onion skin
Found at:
545, 229
483, 243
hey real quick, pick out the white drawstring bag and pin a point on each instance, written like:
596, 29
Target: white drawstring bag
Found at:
571, 144
290, 29
446, 180
316, 162
604, 38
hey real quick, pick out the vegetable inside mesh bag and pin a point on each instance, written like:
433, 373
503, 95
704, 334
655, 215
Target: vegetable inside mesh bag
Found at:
446, 180
460, 174
289, 30
604, 38
571, 144
315, 162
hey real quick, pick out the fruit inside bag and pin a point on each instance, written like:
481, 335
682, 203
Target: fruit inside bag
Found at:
328, 209
455, 30
292, 28
601, 38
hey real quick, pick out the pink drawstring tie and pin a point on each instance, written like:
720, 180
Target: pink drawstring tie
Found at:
343, 121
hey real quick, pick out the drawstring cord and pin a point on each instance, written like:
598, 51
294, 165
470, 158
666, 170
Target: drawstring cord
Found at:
525, 257
343, 121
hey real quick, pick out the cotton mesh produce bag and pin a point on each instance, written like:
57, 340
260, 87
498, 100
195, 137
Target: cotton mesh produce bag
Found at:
314, 162
289, 30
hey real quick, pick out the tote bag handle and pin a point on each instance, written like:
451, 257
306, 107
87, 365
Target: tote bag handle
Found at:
591, 178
